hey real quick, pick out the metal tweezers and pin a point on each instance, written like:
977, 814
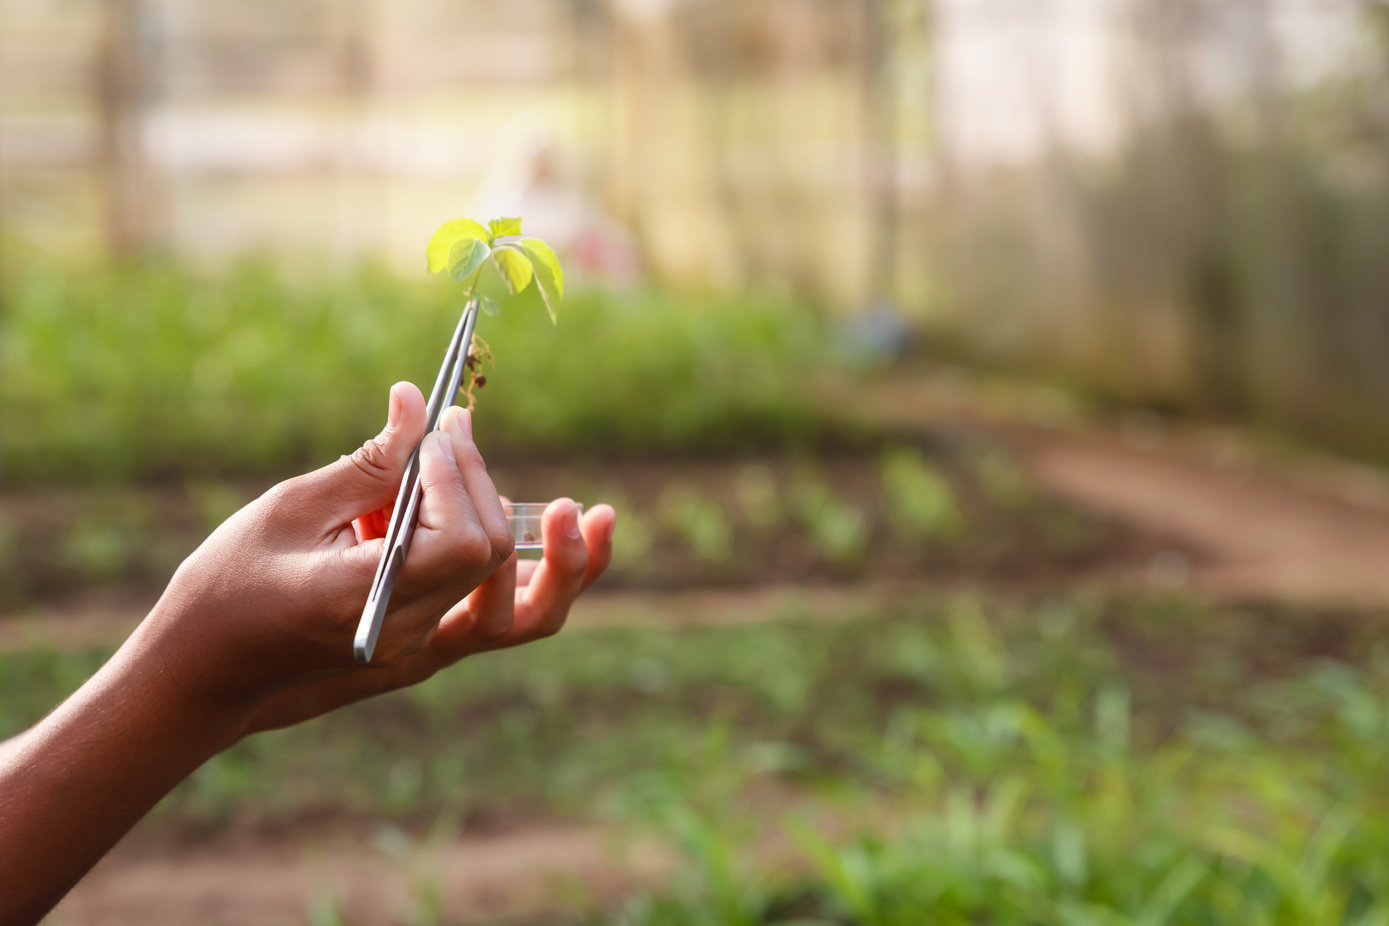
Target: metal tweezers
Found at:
406, 515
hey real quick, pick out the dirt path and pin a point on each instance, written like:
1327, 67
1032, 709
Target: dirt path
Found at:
1313, 530
1256, 534
522, 875
81, 627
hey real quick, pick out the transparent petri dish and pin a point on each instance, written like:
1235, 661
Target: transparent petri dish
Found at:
524, 518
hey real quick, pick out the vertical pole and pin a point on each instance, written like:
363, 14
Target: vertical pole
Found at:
3, 277
360, 187
880, 107
119, 155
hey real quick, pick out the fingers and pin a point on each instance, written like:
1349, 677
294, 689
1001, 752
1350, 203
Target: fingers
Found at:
549, 587
445, 505
457, 423
369, 479
475, 624
493, 616
597, 527
544, 603
449, 557
480, 622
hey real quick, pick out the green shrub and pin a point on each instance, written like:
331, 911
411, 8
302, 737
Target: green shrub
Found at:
155, 370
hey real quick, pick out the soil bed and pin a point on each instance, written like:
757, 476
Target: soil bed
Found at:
711, 524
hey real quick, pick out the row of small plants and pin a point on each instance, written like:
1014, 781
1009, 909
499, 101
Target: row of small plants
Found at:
727, 523
838, 512
1099, 797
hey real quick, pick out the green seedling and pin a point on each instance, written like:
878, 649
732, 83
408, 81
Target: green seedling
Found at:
699, 521
499, 267
839, 529
919, 500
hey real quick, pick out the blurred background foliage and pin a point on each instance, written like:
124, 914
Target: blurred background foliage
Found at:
1179, 204
912, 692
153, 371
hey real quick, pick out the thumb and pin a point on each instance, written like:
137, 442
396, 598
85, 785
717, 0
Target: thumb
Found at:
369, 479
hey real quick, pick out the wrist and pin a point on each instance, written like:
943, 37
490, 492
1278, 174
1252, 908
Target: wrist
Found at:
194, 651
176, 691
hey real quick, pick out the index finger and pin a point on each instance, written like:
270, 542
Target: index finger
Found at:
457, 423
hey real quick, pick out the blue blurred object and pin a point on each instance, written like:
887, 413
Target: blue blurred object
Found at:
878, 335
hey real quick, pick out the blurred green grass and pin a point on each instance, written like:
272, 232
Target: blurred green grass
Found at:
153, 371
960, 760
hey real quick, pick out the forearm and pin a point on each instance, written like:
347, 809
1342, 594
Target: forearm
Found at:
73, 785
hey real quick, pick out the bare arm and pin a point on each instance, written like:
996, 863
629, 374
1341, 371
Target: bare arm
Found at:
255, 632
74, 784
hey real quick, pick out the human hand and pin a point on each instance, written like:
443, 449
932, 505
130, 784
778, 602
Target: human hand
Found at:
262, 615
522, 601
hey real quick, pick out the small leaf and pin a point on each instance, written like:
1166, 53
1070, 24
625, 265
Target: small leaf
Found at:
489, 306
466, 255
500, 227
437, 251
489, 283
546, 263
549, 275
515, 268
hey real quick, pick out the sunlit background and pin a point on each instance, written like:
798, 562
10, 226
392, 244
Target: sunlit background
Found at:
994, 394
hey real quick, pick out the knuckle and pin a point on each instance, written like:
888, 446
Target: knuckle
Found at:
493, 630
374, 461
472, 458
391, 652
578, 560
473, 546
387, 656
552, 627
503, 544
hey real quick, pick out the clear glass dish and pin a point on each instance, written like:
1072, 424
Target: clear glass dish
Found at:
524, 518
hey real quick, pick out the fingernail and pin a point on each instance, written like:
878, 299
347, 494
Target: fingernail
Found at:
465, 420
393, 412
446, 448
571, 523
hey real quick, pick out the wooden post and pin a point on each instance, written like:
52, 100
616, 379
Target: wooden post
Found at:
881, 137
118, 90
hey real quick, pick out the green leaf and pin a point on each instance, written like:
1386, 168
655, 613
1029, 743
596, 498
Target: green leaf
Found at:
549, 275
500, 227
515, 268
439, 247
490, 284
465, 257
489, 306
